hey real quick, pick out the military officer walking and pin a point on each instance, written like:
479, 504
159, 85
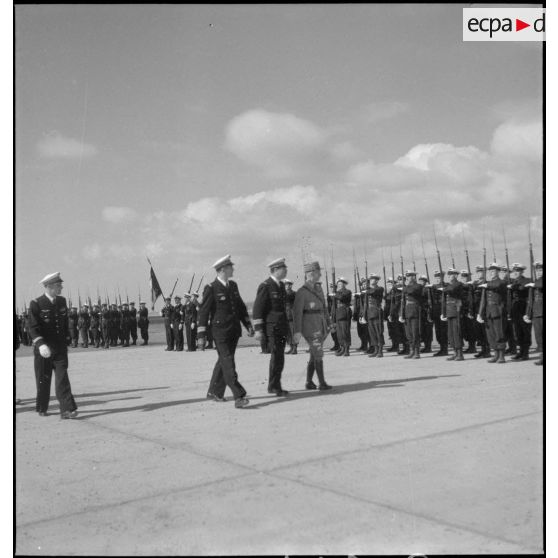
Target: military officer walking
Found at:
270, 318
48, 326
223, 305
312, 321
143, 322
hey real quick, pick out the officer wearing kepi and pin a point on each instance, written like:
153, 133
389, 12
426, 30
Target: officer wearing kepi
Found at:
223, 305
48, 326
270, 318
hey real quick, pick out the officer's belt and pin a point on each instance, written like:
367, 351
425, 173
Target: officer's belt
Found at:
312, 311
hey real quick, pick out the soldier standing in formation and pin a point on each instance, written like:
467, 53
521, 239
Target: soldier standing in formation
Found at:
519, 296
223, 305
388, 300
440, 326
492, 312
190, 316
290, 298
467, 323
166, 312
143, 322
133, 323
125, 325
331, 314
105, 324
452, 302
95, 325
48, 326
177, 323
83, 325
509, 334
73, 326
371, 310
395, 312
270, 318
478, 328
359, 317
342, 305
426, 324
535, 309
410, 313
311, 321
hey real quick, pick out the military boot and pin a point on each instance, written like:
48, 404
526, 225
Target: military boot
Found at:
411, 353
495, 357
380, 352
459, 355
310, 367
501, 358
454, 356
320, 372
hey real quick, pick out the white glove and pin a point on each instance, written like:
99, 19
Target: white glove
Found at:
258, 335
45, 351
443, 318
172, 326
483, 286
530, 285
180, 327
402, 320
509, 286
479, 319
251, 331
526, 319
361, 321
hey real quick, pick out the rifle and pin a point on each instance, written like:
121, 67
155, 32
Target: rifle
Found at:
508, 280
119, 297
384, 269
327, 281
139, 294
531, 258
191, 283
199, 286
484, 251
392, 293
98, 297
79, 301
172, 292
401, 257
334, 301
70, 299
413, 258
439, 259
127, 299
493, 250
466, 253
451, 254
354, 271
425, 261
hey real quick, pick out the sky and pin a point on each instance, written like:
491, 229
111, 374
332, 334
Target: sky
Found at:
185, 133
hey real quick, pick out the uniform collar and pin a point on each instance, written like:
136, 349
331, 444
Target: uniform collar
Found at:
224, 283
51, 298
277, 282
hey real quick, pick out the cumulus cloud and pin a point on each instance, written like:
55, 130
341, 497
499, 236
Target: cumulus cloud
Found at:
57, 146
284, 145
519, 139
119, 215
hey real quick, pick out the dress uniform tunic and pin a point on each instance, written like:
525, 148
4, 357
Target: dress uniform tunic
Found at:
48, 325
270, 316
519, 298
411, 312
372, 310
143, 324
535, 311
223, 305
494, 313
452, 305
343, 317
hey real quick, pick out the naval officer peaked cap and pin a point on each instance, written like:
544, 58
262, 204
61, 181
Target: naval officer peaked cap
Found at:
222, 262
518, 267
51, 279
495, 266
279, 262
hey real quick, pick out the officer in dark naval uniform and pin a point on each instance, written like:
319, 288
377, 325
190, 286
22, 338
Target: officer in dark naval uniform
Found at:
440, 327
371, 309
95, 326
178, 324
105, 324
223, 305
519, 296
48, 326
270, 318
166, 312
492, 312
73, 318
410, 312
388, 299
190, 315
83, 325
535, 309
143, 322
343, 317
133, 323
125, 325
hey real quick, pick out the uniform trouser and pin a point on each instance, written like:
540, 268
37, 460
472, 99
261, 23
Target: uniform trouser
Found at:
426, 330
209, 337
134, 331
144, 332
114, 331
538, 327
190, 335
263, 343
344, 332
412, 330
106, 336
376, 332
401, 334
58, 362
495, 333
522, 330
224, 372
455, 338
335, 340
276, 344
84, 335
74, 334
363, 334
170, 336
441, 329
467, 328
391, 332
290, 333
125, 333
480, 335
95, 336
178, 331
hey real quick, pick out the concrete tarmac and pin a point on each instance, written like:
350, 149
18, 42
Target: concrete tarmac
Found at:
402, 456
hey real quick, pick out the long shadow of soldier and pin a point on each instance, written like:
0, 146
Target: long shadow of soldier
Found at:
345, 388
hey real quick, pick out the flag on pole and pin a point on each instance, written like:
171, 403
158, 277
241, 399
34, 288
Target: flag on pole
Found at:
156, 291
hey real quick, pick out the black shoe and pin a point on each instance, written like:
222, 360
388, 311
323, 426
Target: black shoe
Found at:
241, 402
391, 349
43, 414
324, 387
311, 385
441, 353
68, 414
219, 399
426, 350
281, 393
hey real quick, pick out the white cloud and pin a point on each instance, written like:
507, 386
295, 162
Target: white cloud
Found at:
119, 215
57, 146
519, 139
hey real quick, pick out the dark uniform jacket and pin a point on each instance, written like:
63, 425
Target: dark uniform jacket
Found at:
495, 301
289, 299
48, 322
270, 308
343, 304
167, 313
224, 307
373, 302
95, 319
519, 295
413, 300
84, 320
535, 307
143, 314
454, 293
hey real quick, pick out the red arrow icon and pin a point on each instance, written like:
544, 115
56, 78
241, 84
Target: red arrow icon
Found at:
519, 25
